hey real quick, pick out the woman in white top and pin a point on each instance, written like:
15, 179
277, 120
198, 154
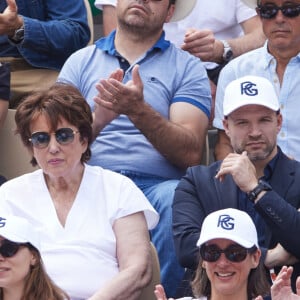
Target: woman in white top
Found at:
94, 222
229, 267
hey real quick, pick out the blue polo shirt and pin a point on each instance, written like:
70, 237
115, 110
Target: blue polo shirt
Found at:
169, 75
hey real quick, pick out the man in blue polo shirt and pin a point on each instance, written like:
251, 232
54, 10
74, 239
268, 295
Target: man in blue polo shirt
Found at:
151, 104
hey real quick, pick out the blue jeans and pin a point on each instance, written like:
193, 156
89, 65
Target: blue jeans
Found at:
160, 193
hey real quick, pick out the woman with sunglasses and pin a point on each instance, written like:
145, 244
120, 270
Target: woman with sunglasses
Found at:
95, 241
22, 274
229, 266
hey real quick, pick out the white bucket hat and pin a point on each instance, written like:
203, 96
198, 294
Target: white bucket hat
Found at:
18, 230
250, 3
230, 223
249, 90
182, 9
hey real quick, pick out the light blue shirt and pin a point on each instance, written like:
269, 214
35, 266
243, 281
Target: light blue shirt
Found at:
261, 63
169, 75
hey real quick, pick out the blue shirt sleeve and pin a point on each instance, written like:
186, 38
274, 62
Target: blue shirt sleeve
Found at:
53, 31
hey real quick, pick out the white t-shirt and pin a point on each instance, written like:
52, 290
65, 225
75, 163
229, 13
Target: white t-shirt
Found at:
223, 17
100, 3
81, 256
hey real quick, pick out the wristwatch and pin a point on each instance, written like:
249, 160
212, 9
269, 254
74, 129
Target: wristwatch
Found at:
261, 186
227, 53
18, 35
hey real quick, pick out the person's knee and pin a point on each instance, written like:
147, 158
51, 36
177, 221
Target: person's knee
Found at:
167, 188
165, 194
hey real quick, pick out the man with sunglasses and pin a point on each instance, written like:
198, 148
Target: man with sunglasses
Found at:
278, 61
257, 178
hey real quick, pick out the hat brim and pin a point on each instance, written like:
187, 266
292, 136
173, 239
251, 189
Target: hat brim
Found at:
242, 242
19, 230
250, 3
256, 102
182, 9
18, 239
12, 237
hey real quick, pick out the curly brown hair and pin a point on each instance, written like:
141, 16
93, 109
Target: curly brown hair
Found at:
60, 101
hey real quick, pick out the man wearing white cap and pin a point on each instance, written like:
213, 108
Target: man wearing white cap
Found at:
257, 178
152, 104
279, 61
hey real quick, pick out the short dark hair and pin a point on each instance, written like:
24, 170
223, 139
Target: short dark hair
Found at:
59, 101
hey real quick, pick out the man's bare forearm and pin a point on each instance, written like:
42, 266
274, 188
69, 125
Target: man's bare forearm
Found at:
253, 37
177, 143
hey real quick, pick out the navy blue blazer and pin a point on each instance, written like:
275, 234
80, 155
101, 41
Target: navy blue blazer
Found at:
199, 193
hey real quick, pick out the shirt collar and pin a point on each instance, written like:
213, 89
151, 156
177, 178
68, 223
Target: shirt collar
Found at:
269, 58
270, 167
107, 44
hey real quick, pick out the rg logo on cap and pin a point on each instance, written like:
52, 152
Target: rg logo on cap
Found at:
224, 222
2, 222
247, 88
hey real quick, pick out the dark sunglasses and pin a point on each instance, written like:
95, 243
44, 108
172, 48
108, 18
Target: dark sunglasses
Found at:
234, 253
63, 136
270, 11
9, 248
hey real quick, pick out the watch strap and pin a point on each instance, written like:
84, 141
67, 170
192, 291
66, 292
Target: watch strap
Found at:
18, 35
261, 186
227, 52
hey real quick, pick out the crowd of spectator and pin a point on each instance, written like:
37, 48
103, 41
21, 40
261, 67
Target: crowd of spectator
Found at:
118, 130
